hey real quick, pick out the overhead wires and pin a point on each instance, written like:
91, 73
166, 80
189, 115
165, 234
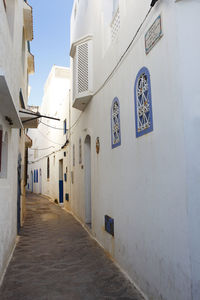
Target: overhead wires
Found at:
125, 52
99, 89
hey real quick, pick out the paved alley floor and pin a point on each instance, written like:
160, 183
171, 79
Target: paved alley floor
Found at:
55, 258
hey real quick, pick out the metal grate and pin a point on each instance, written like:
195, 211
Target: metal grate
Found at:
115, 25
82, 68
109, 225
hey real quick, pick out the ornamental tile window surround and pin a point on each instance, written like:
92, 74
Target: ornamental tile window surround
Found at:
115, 123
143, 103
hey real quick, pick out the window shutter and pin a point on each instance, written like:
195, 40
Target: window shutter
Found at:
82, 73
0, 147
82, 67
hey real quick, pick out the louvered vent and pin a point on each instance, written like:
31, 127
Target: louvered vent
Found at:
82, 52
74, 76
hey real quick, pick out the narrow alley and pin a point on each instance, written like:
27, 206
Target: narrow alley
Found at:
56, 259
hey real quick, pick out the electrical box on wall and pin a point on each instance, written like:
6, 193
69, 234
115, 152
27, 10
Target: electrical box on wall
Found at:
109, 225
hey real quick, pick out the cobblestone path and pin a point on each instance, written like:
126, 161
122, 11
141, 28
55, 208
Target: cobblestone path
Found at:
56, 259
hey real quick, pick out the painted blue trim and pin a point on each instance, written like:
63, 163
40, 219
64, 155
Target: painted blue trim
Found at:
145, 131
32, 181
36, 180
61, 191
119, 143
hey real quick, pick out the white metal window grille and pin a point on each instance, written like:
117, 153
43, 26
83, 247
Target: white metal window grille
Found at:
115, 123
143, 105
82, 67
115, 25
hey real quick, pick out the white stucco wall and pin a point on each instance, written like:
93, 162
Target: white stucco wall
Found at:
13, 71
148, 185
8, 199
189, 68
55, 104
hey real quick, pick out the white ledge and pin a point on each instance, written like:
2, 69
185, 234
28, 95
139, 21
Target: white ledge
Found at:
81, 40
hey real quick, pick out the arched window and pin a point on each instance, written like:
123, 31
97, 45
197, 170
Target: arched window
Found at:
143, 105
115, 124
48, 168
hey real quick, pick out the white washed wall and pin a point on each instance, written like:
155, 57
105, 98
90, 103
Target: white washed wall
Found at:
11, 66
55, 104
148, 185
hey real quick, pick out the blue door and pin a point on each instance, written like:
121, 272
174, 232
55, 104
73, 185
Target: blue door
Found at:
32, 181
61, 180
19, 193
61, 191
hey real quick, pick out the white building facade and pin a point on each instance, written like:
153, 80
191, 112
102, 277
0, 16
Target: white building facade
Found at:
16, 63
49, 155
128, 165
135, 166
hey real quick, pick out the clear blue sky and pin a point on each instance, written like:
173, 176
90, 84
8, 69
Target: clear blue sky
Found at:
51, 30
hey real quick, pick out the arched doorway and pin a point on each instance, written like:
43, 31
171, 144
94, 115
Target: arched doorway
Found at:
88, 206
